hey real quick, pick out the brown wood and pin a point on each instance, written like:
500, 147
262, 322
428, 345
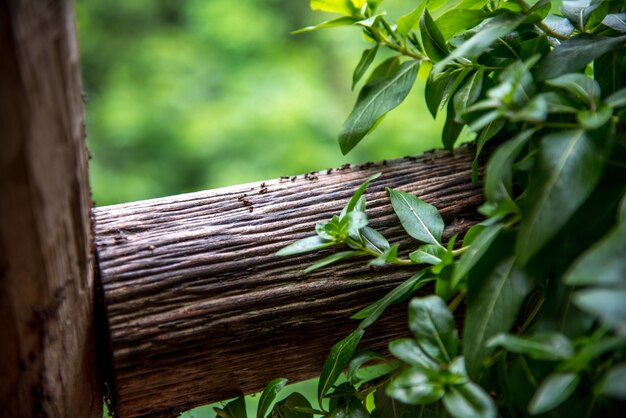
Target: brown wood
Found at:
200, 309
47, 362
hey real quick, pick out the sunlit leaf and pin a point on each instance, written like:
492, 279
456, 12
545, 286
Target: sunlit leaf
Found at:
269, 394
305, 245
419, 219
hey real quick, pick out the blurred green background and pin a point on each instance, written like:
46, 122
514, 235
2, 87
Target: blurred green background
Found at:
196, 94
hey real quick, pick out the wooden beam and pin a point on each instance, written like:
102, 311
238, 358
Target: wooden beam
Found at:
47, 361
199, 307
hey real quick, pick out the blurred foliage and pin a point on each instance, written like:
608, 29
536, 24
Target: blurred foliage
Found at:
190, 95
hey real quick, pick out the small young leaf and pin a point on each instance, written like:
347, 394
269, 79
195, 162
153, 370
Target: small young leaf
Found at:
340, 21
235, 408
553, 391
428, 254
364, 63
469, 401
433, 41
357, 362
550, 346
617, 99
584, 88
387, 407
305, 245
352, 203
469, 93
570, 164
575, 53
293, 406
345, 7
614, 384
408, 21
479, 246
402, 292
419, 219
457, 20
492, 305
387, 256
269, 394
374, 240
410, 352
326, 261
451, 128
593, 120
414, 387
374, 101
434, 328
609, 305
338, 358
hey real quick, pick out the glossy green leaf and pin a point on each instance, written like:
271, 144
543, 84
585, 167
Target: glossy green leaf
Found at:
608, 305
409, 351
457, 20
451, 128
385, 69
546, 346
414, 387
427, 254
340, 21
333, 258
234, 409
604, 263
591, 120
470, 92
387, 407
559, 25
614, 383
357, 362
535, 111
586, 16
439, 90
434, 328
584, 88
553, 391
388, 256
305, 245
374, 101
356, 196
269, 394
346, 7
469, 401
400, 293
616, 21
575, 53
364, 63
489, 131
569, 165
493, 302
498, 26
419, 219
293, 406
617, 99
353, 409
434, 44
374, 240
471, 256
339, 356
408, 21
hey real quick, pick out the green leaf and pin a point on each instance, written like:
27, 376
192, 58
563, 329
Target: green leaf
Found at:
568, 168
385, 69
340, 21
346, 7
338, 358
469, 401
374, 240
493, 29
457, 20
293, 406
604, 263
364, 63
351, 224
617, 99
451, 128
584, 88
374, 101
400, 293
419, 219
434, 328
553, 391
608, 305
427, 254
389, 255
387, 407
357, 362
469, 93
326, 261
434, 44
352, 203
353, 409
414, 387
439, 90
408, 21
235, 408
493, 302
575, 53
587, 16
614, 384
269, 394
616, 21
409, 351
595, 119
479, 246
305, 245
499, 173
489, 131
545, 346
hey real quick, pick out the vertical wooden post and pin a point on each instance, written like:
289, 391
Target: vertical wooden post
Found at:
47, 361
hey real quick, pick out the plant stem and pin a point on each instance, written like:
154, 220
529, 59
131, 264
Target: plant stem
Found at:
457, 300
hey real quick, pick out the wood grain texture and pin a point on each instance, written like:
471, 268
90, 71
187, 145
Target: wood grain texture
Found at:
199, 307
47, 361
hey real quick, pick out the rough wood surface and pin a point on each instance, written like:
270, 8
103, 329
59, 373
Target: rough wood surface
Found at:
47, 362
199, 307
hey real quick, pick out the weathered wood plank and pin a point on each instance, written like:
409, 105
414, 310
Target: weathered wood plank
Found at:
47, 361
199, 307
